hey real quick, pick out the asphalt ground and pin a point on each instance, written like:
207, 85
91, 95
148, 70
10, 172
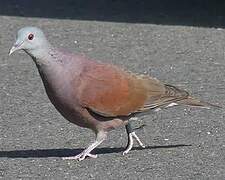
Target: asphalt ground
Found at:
182, 142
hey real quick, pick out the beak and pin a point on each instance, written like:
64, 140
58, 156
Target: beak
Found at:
15, 47
12, 50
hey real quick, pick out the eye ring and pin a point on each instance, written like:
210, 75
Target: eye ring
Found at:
30, 36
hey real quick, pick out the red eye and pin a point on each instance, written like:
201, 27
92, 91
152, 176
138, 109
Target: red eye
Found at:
30, 36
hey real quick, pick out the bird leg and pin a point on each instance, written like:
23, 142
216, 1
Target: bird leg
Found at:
131, 134
100, 137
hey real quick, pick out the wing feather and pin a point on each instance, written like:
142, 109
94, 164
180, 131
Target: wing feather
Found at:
109, 91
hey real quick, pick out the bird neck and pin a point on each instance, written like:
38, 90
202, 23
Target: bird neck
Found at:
41, 56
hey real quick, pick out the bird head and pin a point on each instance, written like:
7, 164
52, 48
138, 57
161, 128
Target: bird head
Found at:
29, 39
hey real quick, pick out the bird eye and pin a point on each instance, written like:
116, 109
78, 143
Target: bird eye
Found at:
30, 36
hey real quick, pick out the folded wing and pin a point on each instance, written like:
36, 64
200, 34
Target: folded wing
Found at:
110, 91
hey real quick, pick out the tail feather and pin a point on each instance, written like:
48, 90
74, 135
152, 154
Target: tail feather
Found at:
196, 102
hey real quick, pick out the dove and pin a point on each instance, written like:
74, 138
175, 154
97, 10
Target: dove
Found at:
96, 95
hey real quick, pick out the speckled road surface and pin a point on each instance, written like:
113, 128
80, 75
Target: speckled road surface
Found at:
182, 142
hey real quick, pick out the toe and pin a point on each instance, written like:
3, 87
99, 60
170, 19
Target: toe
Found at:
70, 158
81, 158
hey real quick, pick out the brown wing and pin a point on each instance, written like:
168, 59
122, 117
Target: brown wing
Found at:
110, 91
170, 95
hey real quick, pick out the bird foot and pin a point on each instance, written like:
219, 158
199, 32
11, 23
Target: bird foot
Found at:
131, 142
101, 136
80, 156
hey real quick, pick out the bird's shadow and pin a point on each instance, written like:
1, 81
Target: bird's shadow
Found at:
45, 153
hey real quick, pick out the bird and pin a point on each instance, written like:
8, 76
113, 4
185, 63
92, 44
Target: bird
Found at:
95, 95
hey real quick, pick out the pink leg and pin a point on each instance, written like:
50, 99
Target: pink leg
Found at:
100, 137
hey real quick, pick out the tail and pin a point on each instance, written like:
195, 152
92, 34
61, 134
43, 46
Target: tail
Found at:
191, 101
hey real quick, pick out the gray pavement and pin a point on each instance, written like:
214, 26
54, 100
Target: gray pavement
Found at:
182, 142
